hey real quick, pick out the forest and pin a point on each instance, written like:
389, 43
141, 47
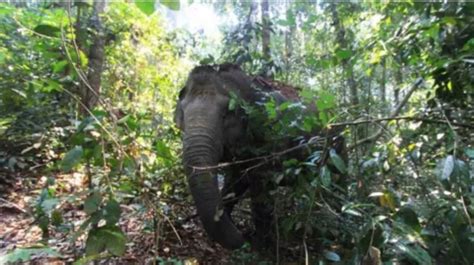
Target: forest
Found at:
236, 132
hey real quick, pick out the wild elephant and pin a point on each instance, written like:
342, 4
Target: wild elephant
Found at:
213, 133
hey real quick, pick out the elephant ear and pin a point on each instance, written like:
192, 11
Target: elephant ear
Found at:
178, 113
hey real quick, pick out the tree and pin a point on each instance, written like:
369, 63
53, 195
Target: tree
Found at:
91, 88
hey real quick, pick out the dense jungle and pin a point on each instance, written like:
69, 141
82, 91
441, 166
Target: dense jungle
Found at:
236, 132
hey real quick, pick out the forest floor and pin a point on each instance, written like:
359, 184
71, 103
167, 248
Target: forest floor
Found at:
185, 242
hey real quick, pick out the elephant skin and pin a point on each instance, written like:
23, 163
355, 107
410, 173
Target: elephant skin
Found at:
213, 133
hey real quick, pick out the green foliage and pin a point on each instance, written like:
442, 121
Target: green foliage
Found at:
110, 238
72, 158
408, 193
24, 255
147, 7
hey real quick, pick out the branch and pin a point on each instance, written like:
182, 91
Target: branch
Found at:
394, 114
266, 158
9, 204
410, 118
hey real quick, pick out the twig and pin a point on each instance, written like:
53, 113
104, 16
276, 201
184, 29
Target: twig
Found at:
394, 114
266, 158
98, 121
13, 205
456, 138
32, 31
410, 118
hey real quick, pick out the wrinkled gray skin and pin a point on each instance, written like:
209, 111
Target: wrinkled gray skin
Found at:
211, 134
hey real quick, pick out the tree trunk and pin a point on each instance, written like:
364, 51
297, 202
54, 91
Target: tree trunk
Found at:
288, 45
346, 64
383, 90
265, 30
90, 92
398, 85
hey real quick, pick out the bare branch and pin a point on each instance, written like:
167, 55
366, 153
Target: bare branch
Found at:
394, 114
266, 158
409, 118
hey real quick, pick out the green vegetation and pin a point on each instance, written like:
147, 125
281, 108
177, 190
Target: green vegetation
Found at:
89, 91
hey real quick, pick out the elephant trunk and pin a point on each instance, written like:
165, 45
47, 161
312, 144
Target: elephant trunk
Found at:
200, 150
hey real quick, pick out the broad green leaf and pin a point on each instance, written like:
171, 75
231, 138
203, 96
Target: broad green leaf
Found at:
343, 54
6, 9
72, 158
271, 109
116, 240
147, 7
25, 254
92, 203
232, 104
112, 212
337, 161
469, 152
95, 242
171, 4
414, 252
409, 217
325, 176
47, 30
326, 100
109, 238
450, 20
49, 204
59, 66
51, 85
162, 150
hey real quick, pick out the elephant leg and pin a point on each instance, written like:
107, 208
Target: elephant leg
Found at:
262, 212
234, 187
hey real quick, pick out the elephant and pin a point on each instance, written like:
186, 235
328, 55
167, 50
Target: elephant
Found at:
213, 133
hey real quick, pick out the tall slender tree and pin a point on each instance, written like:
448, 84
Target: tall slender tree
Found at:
90, 91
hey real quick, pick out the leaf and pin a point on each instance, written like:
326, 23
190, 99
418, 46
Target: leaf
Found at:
326, 100
49, 204
162, 150
352, 212
56, 218
112, 212
409, 217
147, 7
95, 242
449, 20
92, 203
387, 200
72, 158
47, 30
325, 176
24, 254
171, 4
332, 256
469, 152
337, 161
232, 104
343, 54
51, 85
59, 66
448, 167
414, 252
109, 238
6, 9
116, 240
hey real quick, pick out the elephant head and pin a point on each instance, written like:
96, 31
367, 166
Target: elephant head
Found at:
210, 129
